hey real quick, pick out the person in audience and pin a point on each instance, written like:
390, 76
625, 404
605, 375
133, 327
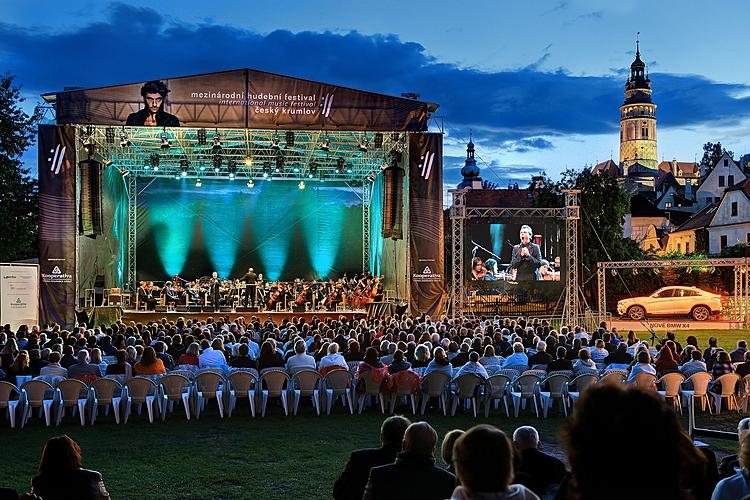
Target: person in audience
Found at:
332, 359
743, 369
439, 363
620, 358
695, 364
709, 354
446, 449
132, 355
161, 353
19, 367
121, 366
738, 485
472, 366
642, 366
538, 471
300, 360
731, 463
190, 357
541, 357
561, 362
243, 359
738, 355
68, 359
421, 357
8, 353
462, 356
722, 365
213, 356
61, 476
413, 476
84, 369
53, 368
483, 457
350, 485
269, 357
149, 364
36, 362
518, 358
584, 361
665, 362
370, 361
353, 353
598, 352
399, 364
96, 360
602, 412
489, 360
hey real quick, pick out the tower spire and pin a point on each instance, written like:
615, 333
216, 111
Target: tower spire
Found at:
638, 44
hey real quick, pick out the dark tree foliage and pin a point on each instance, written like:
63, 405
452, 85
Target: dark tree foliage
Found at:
712, 152
18, 191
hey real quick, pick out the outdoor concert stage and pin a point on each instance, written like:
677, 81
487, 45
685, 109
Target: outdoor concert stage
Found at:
224, 171
276, 316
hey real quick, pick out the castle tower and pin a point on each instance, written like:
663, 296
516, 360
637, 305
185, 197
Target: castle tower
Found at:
638, 119
470, 171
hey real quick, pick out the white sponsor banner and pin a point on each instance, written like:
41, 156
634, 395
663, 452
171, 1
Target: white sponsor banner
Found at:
19, 295
674, 324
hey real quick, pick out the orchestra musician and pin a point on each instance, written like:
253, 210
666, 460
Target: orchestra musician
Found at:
171, 296
214, 292
145, 296
251, 287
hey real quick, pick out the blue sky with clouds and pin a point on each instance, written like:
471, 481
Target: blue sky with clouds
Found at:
539, 82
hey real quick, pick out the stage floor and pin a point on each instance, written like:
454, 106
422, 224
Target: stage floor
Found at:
276, 316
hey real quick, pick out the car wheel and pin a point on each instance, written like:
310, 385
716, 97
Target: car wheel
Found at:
636, 312
700, 313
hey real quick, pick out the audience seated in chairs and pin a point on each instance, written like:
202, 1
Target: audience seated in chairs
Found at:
243, 359
149, 364
351, 483
643, 365
121, 366
53, 368
300, 360
538, 471
413, 476
472, 366
398, 364
191, 355
83, 369
332, 359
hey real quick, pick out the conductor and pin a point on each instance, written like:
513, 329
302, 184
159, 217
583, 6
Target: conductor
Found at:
526, 256
214, 292
251, 286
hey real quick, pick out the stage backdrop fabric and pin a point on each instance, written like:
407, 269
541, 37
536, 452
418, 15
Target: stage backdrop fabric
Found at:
19, 295
426, 223
57, 224
247, 98
281, 231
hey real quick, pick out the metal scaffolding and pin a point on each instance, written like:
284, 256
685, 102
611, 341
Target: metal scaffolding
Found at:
460, 214
132, 181
740, 308
366, 197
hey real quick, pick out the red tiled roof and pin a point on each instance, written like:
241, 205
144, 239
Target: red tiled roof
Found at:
608, 166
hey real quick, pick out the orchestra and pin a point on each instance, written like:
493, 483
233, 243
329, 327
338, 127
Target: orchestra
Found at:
213, 293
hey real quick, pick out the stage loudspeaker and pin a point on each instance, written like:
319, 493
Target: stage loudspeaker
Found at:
90, 203
393, 200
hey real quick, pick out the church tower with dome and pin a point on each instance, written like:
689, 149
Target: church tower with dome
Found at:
470, 171
638, 119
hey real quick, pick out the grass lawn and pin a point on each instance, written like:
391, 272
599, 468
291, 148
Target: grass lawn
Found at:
727, 338
272, 457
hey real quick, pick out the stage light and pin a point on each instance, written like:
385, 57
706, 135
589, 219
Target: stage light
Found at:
296, 169
364, 145
340, 163
165, 144
325, 145
265, 175
217, 163
184, 168
109, 135
232, 167
279, 162
378, 142
266, 169
202, 137
154, 161
301, 185
156, 168
124, 172
250, 183
289, 139
177, 176
198, 183
217, 143
275, 143
248, 161
313, 169
202, 167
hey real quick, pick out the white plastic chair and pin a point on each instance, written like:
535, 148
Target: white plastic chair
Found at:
557, 386
276, 383
242, 384
174, 388
37, 394
434, 385
523, 389
209, 385
139, 391
103, 392
699, 382
728, 385
6, 392
672, 382
307, 383
338, 383
72, 393
496, 389
581, 383
467, 388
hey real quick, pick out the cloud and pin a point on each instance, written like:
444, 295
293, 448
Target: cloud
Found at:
518, 109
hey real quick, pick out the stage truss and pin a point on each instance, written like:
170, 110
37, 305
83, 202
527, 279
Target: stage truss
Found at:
740, 310
461, 213
242, 156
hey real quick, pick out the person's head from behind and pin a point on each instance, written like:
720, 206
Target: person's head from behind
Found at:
420, 439
601, 411
474, 357
696, 355
517, 347
392, 430
149, 356
371, 356
584, 355
449, 441
54, 357
60, 455
83, 356
644, 357
243, 350
483, 458
526, 437
299, 347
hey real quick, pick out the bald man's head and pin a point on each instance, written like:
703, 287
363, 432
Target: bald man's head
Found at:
420, 439
526, 437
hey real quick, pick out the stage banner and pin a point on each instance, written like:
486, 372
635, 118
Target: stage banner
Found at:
19, 295
426, 239
57, 224
241, 98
